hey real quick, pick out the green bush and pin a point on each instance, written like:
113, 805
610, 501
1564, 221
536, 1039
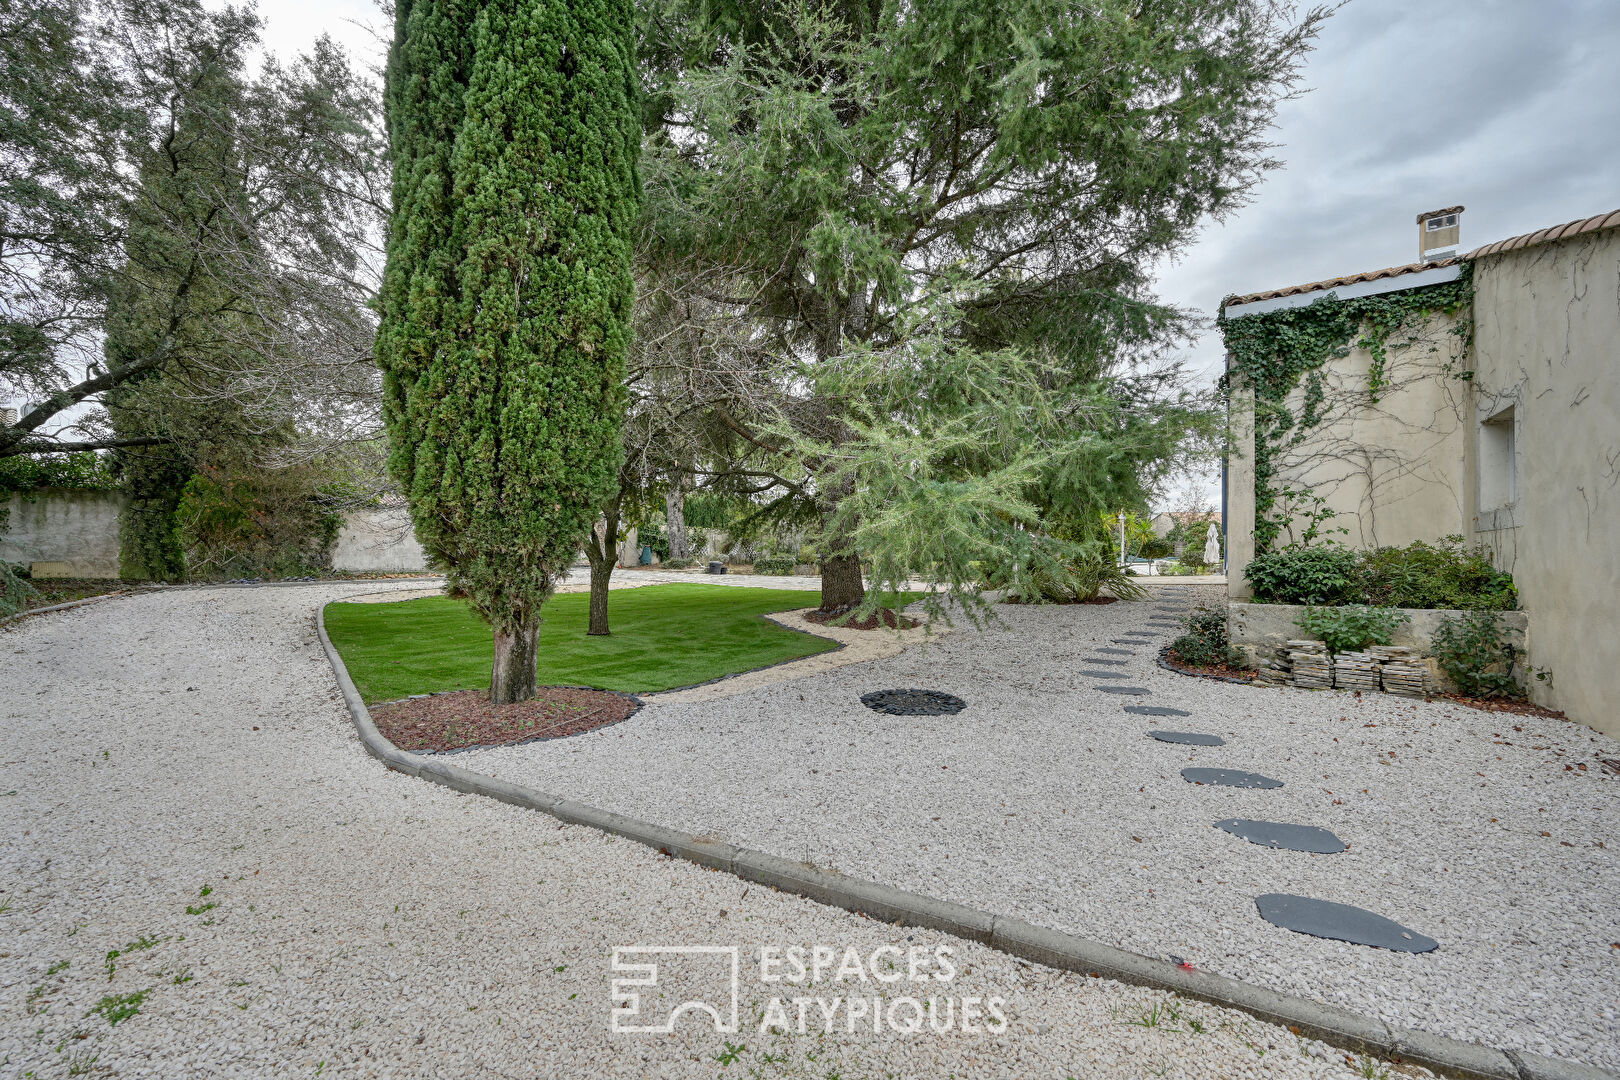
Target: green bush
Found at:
774, 564
14, 588
652, 535
679, 564
1205, 643
83, 471
1050, 583
1307, 575
1353, 626
1473, 652
1420, 575
1443, 575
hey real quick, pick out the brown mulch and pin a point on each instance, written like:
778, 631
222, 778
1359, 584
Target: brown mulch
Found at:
1521, 708
881, 619
466, 718
1218, 670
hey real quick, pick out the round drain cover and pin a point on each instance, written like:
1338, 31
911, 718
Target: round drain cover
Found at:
913, 702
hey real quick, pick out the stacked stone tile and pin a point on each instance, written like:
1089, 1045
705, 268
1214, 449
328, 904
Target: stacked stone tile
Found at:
1357, 671
1404, 671
1310, 665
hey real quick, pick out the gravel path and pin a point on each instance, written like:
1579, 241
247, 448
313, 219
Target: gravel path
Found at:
1495, 834
360, 923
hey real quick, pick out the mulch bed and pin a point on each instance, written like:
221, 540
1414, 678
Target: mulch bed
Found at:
1521, 708
881, 619
1169, 659
465, 718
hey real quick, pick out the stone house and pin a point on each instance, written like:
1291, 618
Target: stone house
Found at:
1496, 417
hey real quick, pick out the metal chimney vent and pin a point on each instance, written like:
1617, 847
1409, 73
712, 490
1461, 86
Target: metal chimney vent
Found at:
1439, 233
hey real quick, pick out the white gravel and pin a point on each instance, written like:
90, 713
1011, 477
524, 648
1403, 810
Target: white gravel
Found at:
368, 924
1044, 799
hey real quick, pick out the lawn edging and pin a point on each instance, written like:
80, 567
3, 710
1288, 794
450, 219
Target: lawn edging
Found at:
1331, 1024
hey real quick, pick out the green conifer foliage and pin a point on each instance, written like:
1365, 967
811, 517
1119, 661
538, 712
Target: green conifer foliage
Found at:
508, 294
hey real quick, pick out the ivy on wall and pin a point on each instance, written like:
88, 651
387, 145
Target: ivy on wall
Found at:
1276, 352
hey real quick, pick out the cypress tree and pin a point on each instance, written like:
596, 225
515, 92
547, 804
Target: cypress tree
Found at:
508, 293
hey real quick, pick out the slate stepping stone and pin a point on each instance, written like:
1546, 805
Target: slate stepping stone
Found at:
1156, 710
1229, 778
1126, 641
1123, 689
1117, 652
1189, 738
1102, 660
1275, 834
1163, 618
1340, 922
1104, 674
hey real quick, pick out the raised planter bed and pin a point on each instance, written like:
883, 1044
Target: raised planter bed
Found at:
1260, 630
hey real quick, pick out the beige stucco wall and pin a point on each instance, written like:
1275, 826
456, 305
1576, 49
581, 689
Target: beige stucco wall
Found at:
64, 533
1547, 342
378, 540
1389, 462
1412, 466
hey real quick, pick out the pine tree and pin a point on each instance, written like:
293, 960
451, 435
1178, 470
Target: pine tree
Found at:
508, 294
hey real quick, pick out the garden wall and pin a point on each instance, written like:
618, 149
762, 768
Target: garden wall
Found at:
64, 533
378, 541
1259, 630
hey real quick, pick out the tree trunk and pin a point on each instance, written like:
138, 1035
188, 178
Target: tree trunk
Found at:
513, 677
602, 552
601, 572
680, 546
841, 587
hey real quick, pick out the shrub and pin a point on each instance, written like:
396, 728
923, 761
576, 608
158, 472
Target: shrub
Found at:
1307, 575
14, 588
1420, 575
1353, 626
1053, 583
1443, 575
679, 564
774, 564
1205, 643
1473, 652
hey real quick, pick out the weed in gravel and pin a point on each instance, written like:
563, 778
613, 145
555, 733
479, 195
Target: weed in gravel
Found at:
1368, 1068
145, 941
1161, 1016
31, 1003
81, 1063
115, 1008
60, 965
731, 1053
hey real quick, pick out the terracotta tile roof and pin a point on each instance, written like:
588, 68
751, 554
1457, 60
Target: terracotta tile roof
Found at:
1339, 282
1610, 220
1427, 214
1513, 243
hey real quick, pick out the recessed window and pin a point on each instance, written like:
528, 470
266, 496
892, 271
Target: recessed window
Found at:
1444, 221
1498, 465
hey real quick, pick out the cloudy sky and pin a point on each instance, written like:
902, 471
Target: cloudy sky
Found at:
1509, 107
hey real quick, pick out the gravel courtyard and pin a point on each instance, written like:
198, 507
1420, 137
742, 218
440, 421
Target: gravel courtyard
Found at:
181, 787
1495, 834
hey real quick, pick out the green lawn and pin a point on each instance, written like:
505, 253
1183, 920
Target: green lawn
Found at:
663, 636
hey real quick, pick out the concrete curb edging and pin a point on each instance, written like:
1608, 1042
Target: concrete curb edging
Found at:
1331, 1024
21, 615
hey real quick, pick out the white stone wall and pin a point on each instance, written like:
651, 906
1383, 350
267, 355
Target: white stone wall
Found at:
378, 540
64, 533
